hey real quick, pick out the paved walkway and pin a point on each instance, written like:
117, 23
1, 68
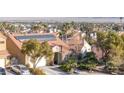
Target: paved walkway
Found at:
54, 70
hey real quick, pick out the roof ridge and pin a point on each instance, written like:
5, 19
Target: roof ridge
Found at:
16, 42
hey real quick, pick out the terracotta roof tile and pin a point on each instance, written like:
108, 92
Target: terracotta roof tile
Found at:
16, 42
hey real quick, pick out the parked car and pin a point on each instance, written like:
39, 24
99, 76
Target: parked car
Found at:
18, 69
24, 70
12, 69
2, 71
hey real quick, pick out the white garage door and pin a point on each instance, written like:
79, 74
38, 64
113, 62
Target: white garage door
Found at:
2, 63
41, 62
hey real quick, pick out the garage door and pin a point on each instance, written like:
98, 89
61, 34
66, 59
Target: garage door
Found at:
41, 62
2, 63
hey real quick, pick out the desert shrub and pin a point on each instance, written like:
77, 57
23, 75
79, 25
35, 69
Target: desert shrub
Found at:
37, 71
69, 66
110, 67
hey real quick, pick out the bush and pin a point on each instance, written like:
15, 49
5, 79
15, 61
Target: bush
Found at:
121, 67
89, 62
90, 58
110, 67
87, 66
69, 66
37, 71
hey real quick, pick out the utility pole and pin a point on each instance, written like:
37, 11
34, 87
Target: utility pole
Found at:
121, 23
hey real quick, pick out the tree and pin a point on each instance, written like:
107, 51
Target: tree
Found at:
35, 50
67, 29
39, 27
46, 50
89, 61
112, 46
4, 26
115, 27
13, 28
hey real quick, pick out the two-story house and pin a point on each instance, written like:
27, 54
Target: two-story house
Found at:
4, 54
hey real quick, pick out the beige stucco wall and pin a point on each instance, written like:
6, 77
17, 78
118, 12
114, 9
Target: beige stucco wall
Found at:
98, 52
15, 51
2, 43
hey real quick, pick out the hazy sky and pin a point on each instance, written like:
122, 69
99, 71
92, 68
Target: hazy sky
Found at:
63, 19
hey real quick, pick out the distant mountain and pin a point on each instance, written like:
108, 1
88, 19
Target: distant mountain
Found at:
62, 19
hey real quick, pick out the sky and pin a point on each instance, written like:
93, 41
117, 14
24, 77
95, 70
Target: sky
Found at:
63, 19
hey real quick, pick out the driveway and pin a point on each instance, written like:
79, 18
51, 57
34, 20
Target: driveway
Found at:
10, 73
54, 70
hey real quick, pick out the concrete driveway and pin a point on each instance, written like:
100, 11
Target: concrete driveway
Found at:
10, 73
53, 70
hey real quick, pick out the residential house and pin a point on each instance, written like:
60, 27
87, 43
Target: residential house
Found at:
56, 44
9, 50
4, 54
86, 47
75, 42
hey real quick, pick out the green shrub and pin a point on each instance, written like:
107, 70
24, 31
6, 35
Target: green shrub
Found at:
87, 66
69, 66
89, 62
90, 58
110, 67
121, 67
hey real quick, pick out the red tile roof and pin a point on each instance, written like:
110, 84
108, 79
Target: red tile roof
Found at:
16, 42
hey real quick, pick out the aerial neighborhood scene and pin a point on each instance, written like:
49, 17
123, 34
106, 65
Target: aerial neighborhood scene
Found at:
61, 46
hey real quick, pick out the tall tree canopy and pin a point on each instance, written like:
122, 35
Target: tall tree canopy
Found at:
112, 46
39, 27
